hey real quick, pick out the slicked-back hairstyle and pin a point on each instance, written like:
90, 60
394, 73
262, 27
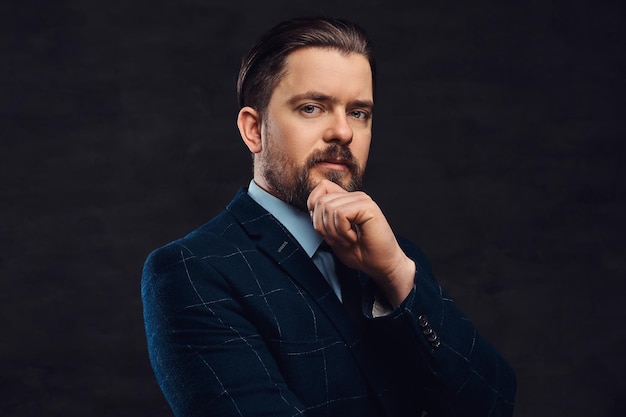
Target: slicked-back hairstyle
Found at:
263, 67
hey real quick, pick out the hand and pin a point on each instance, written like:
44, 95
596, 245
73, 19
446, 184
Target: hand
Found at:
359, 234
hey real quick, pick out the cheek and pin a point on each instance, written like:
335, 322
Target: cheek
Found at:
297, 141
361, 151
363, 161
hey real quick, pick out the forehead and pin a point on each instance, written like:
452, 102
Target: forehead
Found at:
327, 71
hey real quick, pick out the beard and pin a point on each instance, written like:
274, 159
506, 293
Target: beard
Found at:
293, 184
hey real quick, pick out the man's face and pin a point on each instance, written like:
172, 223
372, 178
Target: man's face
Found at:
317, 125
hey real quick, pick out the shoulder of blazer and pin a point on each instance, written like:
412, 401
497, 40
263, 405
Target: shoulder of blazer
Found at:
244, 225
214, 237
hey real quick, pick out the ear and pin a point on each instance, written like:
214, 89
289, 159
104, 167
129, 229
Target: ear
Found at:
249, 124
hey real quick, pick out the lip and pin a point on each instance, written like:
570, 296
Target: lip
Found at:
334, 164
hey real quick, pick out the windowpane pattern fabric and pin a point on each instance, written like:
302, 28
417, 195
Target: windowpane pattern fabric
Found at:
240, 322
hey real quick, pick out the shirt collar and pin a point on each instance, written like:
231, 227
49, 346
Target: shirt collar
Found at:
296, 221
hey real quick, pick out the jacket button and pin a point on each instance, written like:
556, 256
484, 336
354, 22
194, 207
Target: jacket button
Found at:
422, 320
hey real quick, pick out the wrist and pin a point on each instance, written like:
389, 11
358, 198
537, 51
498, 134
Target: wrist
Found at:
399, 283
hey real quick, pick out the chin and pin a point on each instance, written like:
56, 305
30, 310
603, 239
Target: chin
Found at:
343, 179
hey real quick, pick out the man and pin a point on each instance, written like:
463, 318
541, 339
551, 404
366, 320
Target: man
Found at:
299, 299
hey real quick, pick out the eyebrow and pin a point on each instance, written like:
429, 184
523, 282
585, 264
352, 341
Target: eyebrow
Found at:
317, 96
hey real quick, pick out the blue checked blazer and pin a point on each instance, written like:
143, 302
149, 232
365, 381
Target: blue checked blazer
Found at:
240, 322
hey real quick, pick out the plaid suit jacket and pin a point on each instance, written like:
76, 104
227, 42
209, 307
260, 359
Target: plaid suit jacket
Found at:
240, 322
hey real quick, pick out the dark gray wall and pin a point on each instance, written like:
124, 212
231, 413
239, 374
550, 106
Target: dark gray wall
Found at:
499, 143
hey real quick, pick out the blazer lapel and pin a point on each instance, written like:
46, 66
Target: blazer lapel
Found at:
277, 243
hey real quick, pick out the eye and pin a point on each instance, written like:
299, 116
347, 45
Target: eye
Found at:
310, 109
360, 114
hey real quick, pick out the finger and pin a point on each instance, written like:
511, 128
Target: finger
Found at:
345, 228
326, 220
323, 191
322, 188
337, 227
333, 217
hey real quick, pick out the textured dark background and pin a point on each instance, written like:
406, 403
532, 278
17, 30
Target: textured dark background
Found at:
499, 143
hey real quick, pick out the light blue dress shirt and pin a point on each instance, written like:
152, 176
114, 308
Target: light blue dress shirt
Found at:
298, 223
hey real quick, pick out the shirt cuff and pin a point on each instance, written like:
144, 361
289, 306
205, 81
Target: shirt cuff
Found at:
381, 308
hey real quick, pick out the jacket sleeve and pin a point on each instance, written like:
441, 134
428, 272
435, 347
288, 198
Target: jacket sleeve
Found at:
207, 357
470, 377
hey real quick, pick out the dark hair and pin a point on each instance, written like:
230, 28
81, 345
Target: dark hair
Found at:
263, 67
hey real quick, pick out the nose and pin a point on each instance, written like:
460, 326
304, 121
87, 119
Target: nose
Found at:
339, 129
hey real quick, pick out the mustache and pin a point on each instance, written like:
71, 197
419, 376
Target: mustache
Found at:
333, 152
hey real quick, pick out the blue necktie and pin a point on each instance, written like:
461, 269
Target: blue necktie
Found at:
350, 286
